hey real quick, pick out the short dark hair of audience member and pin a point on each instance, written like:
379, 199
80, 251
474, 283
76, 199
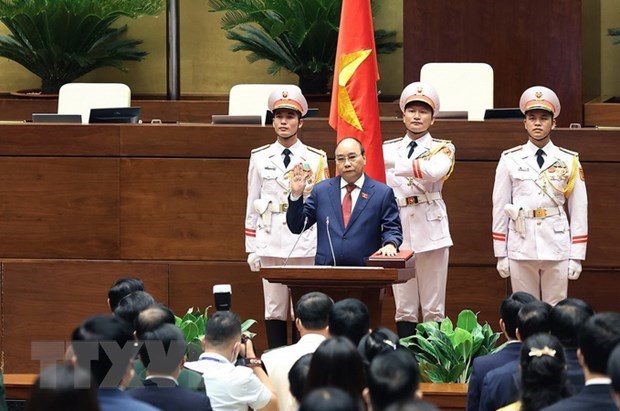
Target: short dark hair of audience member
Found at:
567, 317
163, 350
509, 310
313, 309
130, 306
63, 387
393, 376
412, 405
297, 376
94, 339
222, 328
152, 318
328, 399
533, 318
121, 288
613, 370
377, 341
349, 318
336, 363
597, 339
543, 372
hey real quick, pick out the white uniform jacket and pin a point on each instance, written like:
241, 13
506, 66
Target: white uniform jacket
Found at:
417, 184
539, 228
266, 232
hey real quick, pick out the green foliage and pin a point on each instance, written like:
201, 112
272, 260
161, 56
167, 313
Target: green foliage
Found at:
300, 36
61, 40
615, 33
445, 353
192, 324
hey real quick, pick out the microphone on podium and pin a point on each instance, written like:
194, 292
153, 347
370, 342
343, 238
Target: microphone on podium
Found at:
296, 241
329, 240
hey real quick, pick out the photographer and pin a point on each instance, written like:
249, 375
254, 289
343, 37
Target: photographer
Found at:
230, 387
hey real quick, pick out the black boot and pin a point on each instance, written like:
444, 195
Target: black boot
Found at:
405, 328
276, 333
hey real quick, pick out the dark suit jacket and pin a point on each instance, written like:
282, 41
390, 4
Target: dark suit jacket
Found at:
374, 221
482, 365
591, 398
165, 394
500, 387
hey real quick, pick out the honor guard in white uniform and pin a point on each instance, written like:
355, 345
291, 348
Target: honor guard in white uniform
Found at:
416, 167
267, 237
540, 206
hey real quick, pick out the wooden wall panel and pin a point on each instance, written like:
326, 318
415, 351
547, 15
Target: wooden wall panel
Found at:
524, 42
59, 207
45, 301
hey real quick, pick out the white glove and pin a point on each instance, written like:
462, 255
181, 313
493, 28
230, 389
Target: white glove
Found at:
254, 262
503, 267
574, 269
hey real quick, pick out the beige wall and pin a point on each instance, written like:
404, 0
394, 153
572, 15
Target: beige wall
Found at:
207, 64
610, 53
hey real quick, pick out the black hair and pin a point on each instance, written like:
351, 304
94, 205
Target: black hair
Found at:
533, 318
393, 377
377, 341
221, 328
328, 399
598, 336
297, 376
509, 310
121, 288
349, 318
312, 309
163, 349
567, 317
543, 372
133, 304
613, 369
412, 405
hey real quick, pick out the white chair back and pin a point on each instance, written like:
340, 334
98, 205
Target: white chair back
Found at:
79, 98
250, 99
461, 86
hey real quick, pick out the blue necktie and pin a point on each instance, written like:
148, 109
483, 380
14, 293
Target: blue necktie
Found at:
287, 156
412, 146
539, 157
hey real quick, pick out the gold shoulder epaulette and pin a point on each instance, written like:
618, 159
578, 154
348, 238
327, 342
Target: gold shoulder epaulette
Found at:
316, 151
436, 140
394, 140
572, 153
512, 150
256, 150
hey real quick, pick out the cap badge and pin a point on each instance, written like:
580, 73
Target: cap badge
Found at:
420, 90
285, 94
539, 95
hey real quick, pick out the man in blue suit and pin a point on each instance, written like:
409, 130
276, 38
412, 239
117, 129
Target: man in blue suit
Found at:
357, 215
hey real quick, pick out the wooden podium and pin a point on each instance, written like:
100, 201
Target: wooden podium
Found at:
364, 283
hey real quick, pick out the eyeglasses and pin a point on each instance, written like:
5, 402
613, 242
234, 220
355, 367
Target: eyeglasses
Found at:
350, 157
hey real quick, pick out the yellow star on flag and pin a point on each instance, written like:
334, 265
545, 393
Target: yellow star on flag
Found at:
349, 63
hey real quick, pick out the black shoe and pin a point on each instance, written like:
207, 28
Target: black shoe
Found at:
276, 333
405, 328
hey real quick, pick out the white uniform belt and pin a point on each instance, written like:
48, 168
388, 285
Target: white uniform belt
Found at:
278, 207
422, 198
542, 212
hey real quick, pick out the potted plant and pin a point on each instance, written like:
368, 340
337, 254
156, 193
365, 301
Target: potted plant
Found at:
445, 353
193, 326
61, 40
300, 36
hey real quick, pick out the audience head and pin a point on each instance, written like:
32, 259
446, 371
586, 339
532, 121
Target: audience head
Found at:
63, 387
163, 350
393, 376
412, 405
328, 399
297, 376
377, 341
223, 334
533, 318
543, 372
121, 288
130, 306
104, 344
509, 310
613, 370
598, 336
153, 318
349, 318
312, 310
566, 319
337, 363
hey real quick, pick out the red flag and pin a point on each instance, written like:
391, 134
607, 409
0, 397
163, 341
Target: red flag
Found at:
354, 108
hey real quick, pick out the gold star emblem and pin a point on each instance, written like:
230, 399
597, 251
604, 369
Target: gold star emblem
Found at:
349, 63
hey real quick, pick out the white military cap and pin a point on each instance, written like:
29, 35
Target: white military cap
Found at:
419, 91
540, 98
288, 97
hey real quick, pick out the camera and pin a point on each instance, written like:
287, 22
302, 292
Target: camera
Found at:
222, 293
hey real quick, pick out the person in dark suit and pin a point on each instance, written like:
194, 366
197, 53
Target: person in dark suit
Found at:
354, 213
613, 369
597, 339
508, 312
163, 353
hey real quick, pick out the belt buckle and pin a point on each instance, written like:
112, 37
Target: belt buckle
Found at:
540, 213
412, 200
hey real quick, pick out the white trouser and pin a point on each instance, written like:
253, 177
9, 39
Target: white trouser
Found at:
427, 290
276, 295
545, 280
